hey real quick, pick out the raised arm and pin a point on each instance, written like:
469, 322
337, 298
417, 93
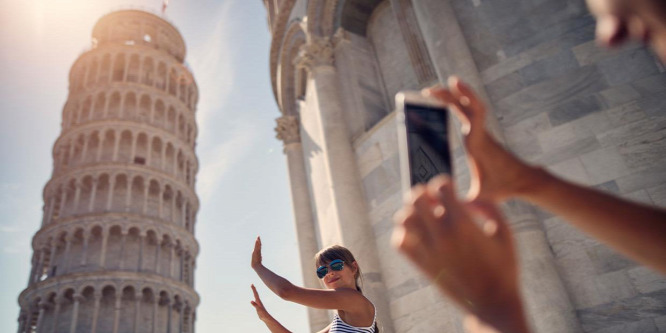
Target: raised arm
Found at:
273, 325
339, 299
636, 230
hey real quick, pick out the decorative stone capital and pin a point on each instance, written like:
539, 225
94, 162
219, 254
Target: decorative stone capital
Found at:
315, 53
79, 298
341, 35
288, 129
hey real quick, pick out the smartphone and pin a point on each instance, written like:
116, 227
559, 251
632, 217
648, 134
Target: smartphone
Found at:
423, 138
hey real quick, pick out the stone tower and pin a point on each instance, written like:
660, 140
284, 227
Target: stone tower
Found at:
589, 115
116, 249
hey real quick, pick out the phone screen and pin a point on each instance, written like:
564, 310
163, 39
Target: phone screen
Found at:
427, 142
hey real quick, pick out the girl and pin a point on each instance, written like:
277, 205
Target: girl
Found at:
339, 272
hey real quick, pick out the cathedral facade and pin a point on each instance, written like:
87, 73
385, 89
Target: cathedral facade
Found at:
589, 115
116, 249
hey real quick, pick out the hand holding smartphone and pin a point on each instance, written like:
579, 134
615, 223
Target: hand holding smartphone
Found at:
423, 138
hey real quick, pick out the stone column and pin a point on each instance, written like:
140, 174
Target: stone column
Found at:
109, 198
347, 204
35, 263
49, 214
171, 253
75, 312
77, 196
169, 309
40, 266
137, 310
84, 255
22, 321
142, 240
451, 55
54, 248
105, 239
93, 194
288, 130
123, 240
40, 318
98, 298
116, 311
84, 151
158, 256
68, 244
56, 312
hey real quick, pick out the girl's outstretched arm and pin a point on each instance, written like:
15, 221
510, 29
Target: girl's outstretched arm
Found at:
273, 325
340, 299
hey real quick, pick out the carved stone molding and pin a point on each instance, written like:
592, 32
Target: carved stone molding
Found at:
288, 129
316, 53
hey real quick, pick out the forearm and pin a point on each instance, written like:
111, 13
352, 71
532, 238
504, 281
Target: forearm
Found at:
274, 326
277, 284
634, 229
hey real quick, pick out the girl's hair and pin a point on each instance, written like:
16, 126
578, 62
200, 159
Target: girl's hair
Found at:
325, 256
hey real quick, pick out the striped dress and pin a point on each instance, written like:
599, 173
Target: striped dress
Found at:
339, 326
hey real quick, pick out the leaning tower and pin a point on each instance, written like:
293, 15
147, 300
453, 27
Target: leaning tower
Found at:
116, 249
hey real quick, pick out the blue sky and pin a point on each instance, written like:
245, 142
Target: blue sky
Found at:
242, 182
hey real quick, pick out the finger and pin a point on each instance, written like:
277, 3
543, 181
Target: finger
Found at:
456, 215
256, 294
495, 226
453, 102
475, 110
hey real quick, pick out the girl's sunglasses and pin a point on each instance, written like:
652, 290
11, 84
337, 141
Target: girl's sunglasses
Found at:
336, 265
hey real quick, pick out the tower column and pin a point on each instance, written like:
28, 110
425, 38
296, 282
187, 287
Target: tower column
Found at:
123, 240
56, 311
102, 257
346, 208
288, 130
142, 240
116, 311
75, 313
84, 255
40, 318
137, 311
93, 194
68, 244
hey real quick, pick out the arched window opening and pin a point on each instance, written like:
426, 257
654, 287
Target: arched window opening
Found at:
100, 104
105, 70
129, 108
114, 106
173, 82
108, 146
161, 76
148, 72
119, 68
141, 153
133, 70
144, 109
92, 73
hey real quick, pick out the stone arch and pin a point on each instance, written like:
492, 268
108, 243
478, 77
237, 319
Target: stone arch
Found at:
69, 192
181, 126
107, 305
127, 304
114, 110
114, 248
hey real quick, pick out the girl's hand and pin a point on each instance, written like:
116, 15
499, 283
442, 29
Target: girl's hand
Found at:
256, 254
259, 306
